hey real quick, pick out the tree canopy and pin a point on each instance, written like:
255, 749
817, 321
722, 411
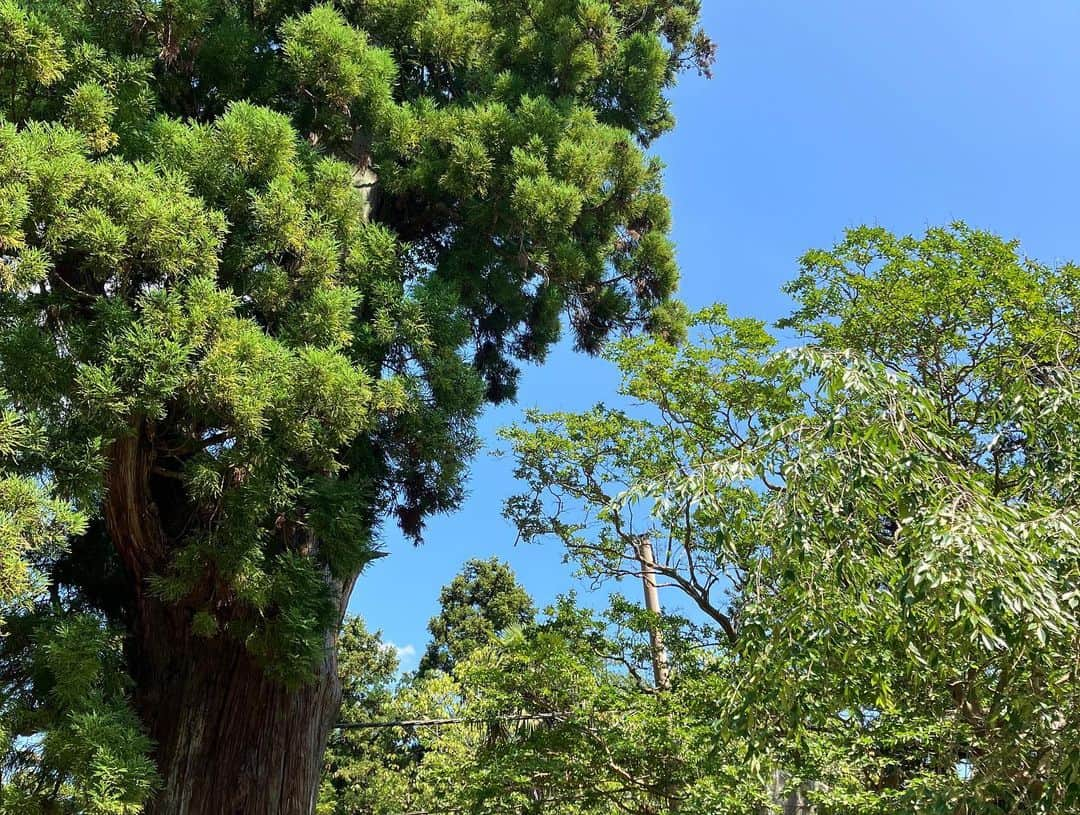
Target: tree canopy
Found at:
878, 527
866, 543
479, 604
550, 717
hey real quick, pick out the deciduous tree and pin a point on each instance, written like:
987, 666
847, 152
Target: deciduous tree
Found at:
881, 525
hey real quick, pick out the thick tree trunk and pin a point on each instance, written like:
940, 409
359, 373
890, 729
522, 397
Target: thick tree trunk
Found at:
229, 740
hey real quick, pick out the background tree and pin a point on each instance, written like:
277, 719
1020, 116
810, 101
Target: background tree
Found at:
261, 266
365, 770
550, 718
482, 602
881, 527
611, 742
400, 769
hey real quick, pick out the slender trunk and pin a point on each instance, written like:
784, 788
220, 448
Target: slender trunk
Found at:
661, 670
229, 740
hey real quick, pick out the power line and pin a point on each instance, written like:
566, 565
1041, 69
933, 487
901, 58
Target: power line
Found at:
519, 717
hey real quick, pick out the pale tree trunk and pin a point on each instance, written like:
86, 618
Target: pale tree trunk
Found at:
661, 669
229, 740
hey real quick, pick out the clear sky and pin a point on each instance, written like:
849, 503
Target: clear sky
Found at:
820, 116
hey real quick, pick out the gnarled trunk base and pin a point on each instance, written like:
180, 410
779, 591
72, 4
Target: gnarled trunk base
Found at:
231, 741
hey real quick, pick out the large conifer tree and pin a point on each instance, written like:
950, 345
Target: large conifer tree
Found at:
260, 266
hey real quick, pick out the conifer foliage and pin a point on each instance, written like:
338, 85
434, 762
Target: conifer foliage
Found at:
481, 603
260, 266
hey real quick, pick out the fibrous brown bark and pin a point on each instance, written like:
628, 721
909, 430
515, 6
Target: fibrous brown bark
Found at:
229, 739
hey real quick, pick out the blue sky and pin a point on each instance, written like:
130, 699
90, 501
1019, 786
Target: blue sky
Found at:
820, 116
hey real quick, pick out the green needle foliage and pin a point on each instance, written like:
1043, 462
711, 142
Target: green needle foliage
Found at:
34, 526
475, 608
880, 527
262, 264
68, 739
